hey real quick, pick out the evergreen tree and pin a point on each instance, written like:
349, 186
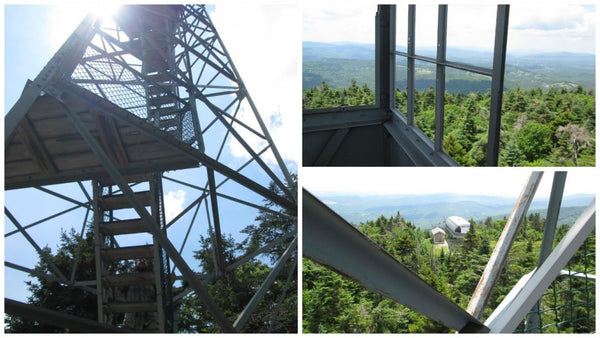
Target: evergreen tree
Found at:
57, 296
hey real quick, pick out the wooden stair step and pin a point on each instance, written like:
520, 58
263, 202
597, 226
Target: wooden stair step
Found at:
130, 252
115, 202
132, 307
129, 226
128, 279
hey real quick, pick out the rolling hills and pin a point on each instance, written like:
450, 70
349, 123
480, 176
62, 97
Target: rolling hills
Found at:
338, 63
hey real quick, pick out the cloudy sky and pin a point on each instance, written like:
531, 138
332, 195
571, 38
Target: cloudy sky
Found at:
505, 182
547, 26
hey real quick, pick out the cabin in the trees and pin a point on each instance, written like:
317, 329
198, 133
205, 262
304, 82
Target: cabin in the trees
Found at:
457, 225
439, 235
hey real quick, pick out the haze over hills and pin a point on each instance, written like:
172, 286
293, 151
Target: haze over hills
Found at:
428, 210
338, 63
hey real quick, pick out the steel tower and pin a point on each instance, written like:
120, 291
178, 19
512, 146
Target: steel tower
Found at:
119, 105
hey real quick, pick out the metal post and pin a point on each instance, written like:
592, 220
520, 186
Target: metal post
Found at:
218, 245
410, 67
500, 254
440, 77
558, 186
493, 146
245, 315
385, 37
510, 313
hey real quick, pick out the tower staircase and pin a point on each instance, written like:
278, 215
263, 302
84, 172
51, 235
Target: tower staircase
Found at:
120, 104
139, 300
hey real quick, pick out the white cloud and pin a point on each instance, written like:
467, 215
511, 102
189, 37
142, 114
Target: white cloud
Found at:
469, 181
264, 43
543, 26
327, 21
174, 201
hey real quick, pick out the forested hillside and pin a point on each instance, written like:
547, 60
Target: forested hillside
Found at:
337, 63
332, 303
539, 128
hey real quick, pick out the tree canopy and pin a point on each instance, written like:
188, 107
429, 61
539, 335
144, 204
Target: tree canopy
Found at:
556, 127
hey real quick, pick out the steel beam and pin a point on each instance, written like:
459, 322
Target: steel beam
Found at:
153, 227
385, 45
332, 146
283, 294
37, 248
266, 284
417, 146
261, 123
440, 77
500, 254
450, 64
246, 258
191, 153
410, 67
44, 220
217, 222
329, 240
493, 146
558, 186
51, 278
56, 318
507, 316
61, 62
316, 120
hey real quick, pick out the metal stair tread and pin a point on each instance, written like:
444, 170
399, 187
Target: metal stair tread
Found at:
115, 202
129, 226
130, 252
128, 279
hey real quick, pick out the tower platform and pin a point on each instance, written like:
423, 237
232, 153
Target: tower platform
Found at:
47, 149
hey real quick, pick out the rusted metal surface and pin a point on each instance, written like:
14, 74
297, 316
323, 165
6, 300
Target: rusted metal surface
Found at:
498, 258
329, 240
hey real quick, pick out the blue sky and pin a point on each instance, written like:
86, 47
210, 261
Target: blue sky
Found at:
534, 26
268, 62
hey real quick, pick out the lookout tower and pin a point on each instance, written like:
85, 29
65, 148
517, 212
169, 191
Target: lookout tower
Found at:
119, 105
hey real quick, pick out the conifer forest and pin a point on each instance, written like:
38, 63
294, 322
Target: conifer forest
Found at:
553, 127
333, 303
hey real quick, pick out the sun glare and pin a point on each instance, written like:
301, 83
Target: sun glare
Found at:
104, 11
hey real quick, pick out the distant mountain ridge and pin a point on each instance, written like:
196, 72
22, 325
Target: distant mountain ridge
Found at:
428, 210
338, 63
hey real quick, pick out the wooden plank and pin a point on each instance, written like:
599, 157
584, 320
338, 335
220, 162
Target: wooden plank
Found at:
130, 226
35, 147
127, 279
77, 161
131, 252
16, 151
133, 173
115, 202
20, 168
110, 139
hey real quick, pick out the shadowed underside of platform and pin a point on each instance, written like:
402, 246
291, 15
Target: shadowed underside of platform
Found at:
47, 149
